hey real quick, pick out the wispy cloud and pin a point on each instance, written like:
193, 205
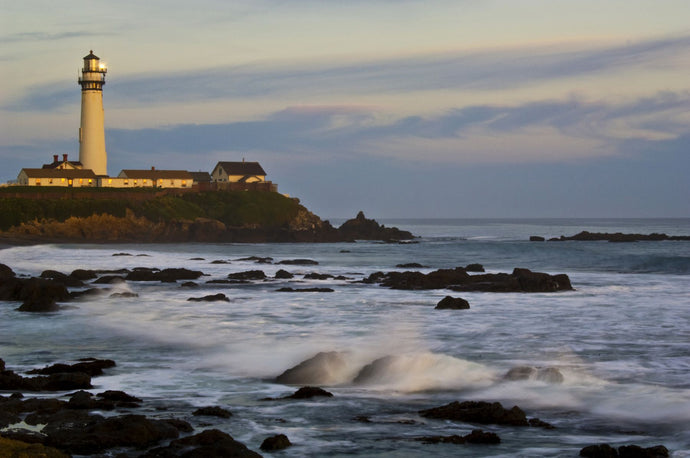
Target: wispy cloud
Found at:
545, 131
498, 69
45, 36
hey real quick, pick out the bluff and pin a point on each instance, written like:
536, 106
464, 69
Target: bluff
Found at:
153, 216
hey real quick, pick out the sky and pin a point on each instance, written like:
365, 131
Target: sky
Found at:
399, 108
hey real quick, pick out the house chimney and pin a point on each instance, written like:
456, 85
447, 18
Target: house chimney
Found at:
153, 168
55, 158
64, 157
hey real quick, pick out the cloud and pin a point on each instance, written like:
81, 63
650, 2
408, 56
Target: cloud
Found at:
491, 69
546, 131
45, 36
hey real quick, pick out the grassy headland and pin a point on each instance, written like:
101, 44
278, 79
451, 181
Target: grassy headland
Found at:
33, 214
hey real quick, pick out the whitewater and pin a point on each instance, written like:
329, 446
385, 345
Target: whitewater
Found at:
620, 339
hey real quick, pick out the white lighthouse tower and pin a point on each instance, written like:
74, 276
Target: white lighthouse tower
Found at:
91, 130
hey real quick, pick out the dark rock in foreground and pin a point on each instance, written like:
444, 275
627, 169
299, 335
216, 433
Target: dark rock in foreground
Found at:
478, 412
277, 442
624, 451
209, 443
452, 303
520, 280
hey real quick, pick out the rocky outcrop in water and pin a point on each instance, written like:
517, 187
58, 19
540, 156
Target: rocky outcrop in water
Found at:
478, 412
614, 237
458, 279
452, 303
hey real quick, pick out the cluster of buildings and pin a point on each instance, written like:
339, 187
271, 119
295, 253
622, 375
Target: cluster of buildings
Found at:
91, 170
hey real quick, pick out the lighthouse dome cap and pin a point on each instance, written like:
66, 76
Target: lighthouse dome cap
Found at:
91, 56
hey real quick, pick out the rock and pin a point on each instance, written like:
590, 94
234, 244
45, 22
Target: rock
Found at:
322, 368
20, 449
166, 275
84, 400
277, 442
61, 278
317, 276
258, 259
197, 259
124, 295
210, 298
520, 280
220, 261
6, 272
305, 290
90, 366
537, 423
92, 434
40, 295
478, 412
248, 275
283, 275
209, 443
620, 237
122, 254
307, 392
109, 279
189, 284
474, 268
477, 436
119, 397
452, 303
599, 451
299, 262
212, 411
635, 451
410, 265
536, 238
361, 228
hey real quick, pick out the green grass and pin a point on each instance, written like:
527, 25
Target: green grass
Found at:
233, 208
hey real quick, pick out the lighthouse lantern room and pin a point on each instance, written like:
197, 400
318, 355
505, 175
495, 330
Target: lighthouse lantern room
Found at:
92, 153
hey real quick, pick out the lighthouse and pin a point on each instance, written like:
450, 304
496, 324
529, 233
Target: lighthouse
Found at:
91, 130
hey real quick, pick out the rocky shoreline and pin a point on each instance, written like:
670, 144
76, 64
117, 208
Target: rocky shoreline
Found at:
304, 228
72, 423
67, 416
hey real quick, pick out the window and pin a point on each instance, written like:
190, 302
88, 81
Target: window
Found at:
81, 181
62, 179
90, 181
50, 181
110, 181
38, 182
184, 183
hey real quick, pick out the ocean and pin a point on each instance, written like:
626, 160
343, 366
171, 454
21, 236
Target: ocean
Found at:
620, 340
